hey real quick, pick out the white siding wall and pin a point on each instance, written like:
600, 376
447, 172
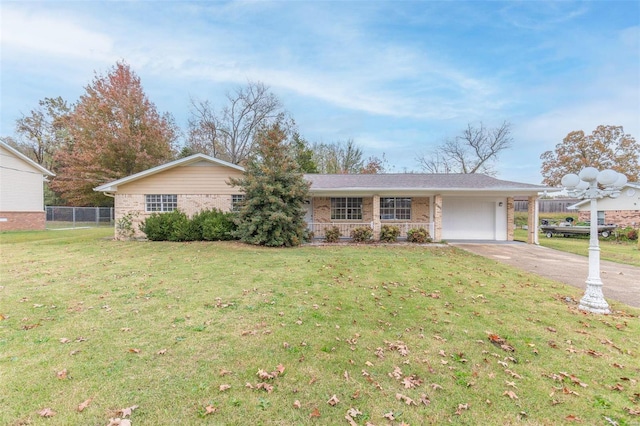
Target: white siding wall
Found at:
21, 185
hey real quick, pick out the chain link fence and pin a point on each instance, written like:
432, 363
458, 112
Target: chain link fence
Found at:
59, 217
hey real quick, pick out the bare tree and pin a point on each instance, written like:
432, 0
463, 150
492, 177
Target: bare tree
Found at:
474, 151
338, 157
229, 134
202, 128
43, 131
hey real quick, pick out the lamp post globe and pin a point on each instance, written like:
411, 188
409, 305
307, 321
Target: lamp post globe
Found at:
585, 186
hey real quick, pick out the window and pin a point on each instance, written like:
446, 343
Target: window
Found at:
601, 217
236, 202
395, 208
161, 203
346, 208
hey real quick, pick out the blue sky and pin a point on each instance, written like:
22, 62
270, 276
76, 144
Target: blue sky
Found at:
396, 77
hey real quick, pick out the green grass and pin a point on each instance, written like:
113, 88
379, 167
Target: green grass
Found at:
164, 325
611, 248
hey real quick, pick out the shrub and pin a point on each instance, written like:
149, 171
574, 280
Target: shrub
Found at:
362, 234
124, 226
627, 234
163, 226
418, 235
215, 225
332, 235
389, 233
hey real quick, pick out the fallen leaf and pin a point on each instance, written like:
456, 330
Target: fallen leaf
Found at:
296, 404
84, 404
161, 352
224, 387
126, 412
210, 409
356, 394
572, 418
134, 350
462, 407
406, 399
333, 401
510, 394
424, 399
265, 386
315, 413
46, 412
632, 411
389, 416
65, 340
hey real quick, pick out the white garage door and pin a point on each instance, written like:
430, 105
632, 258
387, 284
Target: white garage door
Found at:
468, 219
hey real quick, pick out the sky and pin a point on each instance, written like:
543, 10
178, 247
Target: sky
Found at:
396, 77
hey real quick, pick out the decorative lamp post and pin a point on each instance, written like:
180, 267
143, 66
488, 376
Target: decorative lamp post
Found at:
591, 184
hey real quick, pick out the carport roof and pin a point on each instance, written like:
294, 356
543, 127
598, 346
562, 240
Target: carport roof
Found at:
418, 182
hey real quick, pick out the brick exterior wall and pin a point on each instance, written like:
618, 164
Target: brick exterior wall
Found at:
437, 218
510, 218
622, 218
22, 221
189, 204
532, 226
371, 213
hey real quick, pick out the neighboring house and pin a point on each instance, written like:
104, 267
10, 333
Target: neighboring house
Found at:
623, 210
21, 191
450, 206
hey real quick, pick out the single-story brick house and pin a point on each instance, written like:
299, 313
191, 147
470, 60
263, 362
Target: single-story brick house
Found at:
450, 206
622, 211
21, 191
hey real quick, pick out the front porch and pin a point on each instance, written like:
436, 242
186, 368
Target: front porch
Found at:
319, 228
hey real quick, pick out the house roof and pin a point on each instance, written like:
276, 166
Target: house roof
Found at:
113, 186
418, 181
576, 206
353, 183
26, 159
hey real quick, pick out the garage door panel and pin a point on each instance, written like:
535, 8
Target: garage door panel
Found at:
468, 219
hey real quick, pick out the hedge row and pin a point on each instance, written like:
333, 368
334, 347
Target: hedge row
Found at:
208, 225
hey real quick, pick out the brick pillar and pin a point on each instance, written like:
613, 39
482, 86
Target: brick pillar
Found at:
376, 217
510, 218
532, 220
437, 218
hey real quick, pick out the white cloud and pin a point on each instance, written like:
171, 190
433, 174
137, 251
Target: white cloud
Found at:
34, 32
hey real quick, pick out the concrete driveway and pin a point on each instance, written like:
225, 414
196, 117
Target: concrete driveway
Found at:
620, 282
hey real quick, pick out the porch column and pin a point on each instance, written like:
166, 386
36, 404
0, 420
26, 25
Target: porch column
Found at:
510, 218
437, 217
532, 220
376, 217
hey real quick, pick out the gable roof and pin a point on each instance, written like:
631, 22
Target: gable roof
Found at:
26, 159
113, 186
417, 181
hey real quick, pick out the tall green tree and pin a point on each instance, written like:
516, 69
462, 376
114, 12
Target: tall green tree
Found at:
114, 131
607, 147
302, 154
275, 190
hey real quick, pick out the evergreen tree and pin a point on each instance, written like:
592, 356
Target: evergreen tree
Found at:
275, 190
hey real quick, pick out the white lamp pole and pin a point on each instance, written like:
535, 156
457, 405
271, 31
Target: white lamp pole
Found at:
592, 184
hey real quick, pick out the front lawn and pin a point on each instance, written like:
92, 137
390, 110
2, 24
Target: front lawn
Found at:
610, 249
223, 333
